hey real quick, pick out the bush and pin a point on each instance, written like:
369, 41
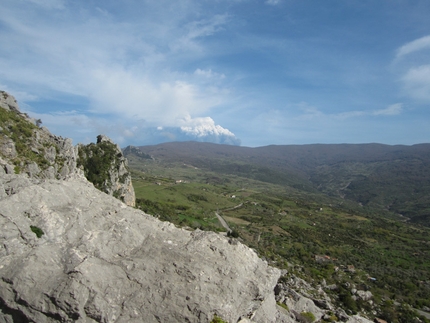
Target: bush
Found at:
307, 317
38, 231
284, 306
217, 319
233, 234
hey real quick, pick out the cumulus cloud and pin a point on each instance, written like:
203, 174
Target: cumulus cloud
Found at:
127, 73
414, 46
205, 129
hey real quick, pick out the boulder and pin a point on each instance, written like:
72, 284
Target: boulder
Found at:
97, 260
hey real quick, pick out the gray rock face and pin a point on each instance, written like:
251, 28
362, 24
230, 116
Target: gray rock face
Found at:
107, 168
299, 296
27, 148
101, 261
8, 102
33, 150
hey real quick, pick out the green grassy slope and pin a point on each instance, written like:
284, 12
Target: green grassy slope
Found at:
391, 178
291, 228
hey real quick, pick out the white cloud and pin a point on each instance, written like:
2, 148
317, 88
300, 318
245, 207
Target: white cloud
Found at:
126, 69
415, 70
208, 74
49, 4
312, 113
417, 82
205, 128
392, 110
201, 127
196, 30
350, 114
273, 2
414, 46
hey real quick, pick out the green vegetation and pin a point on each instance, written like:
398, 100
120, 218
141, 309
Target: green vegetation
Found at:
284, 306
38, 231
307, 317
314, 236
97, 161
22, 133
233, 234
217, 319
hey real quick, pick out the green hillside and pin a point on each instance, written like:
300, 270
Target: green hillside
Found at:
315, 235
393, 179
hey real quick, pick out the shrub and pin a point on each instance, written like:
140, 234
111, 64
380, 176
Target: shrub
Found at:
38, 231
217, 319
97, 161
284, 306
233, 234
307, 317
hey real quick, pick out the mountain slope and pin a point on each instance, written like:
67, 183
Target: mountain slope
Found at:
389, 178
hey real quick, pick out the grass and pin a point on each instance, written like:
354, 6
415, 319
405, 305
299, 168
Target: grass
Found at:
288, 226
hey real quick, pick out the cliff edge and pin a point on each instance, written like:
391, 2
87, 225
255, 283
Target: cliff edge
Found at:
71, 253
28, 148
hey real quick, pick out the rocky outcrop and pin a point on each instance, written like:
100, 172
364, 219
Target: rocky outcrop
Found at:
8, 102
30, 149
300, 298
71, 253
106, 167
98, 260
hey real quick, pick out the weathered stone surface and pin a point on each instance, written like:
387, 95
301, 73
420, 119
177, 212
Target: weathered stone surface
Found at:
101, 261
113, 177
364, 295
7, 147
358, 319
8, 102
42, 154
55, 157
299, 296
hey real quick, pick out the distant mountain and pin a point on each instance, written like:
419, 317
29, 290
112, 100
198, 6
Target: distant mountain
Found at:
391, 178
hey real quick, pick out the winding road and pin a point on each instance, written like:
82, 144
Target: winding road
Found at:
222, 221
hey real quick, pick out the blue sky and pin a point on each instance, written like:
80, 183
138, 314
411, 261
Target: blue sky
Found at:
249, 72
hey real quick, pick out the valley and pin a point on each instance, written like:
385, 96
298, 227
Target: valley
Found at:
296, 224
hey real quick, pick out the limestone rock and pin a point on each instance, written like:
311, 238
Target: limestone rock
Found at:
32, 150
8, 102
7, 147
364, 295
107, 168
101, 261
299, 296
